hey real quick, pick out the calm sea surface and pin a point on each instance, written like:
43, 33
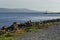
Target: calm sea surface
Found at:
7, 18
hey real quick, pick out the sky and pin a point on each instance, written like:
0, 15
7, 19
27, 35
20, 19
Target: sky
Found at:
40, 5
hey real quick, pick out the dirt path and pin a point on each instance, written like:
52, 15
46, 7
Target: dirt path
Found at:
52, 33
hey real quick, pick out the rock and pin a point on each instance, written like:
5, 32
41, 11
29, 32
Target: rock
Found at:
51, 33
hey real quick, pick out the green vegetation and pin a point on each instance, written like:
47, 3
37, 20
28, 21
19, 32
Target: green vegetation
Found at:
12, 36
17, 29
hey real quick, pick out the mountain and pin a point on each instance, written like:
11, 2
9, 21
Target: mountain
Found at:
16, 10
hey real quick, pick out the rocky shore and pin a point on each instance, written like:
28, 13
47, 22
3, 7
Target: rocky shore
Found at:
20, 28
51, 33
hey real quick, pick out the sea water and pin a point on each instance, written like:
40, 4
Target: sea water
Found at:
7, 18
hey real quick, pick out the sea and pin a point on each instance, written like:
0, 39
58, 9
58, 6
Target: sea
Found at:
7, 18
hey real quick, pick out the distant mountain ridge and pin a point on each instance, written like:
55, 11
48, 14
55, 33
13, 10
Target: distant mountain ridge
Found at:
16, 10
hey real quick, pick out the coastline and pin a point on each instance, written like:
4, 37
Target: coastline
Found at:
18, 29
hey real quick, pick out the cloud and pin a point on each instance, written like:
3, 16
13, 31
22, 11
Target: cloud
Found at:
41, 5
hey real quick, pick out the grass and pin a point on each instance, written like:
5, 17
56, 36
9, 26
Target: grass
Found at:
29, 29
12, 36
20, 32
6, 37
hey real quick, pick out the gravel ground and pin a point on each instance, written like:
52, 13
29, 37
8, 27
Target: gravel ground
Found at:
51, 33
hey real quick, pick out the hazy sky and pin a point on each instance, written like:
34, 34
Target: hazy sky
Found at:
41, 5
